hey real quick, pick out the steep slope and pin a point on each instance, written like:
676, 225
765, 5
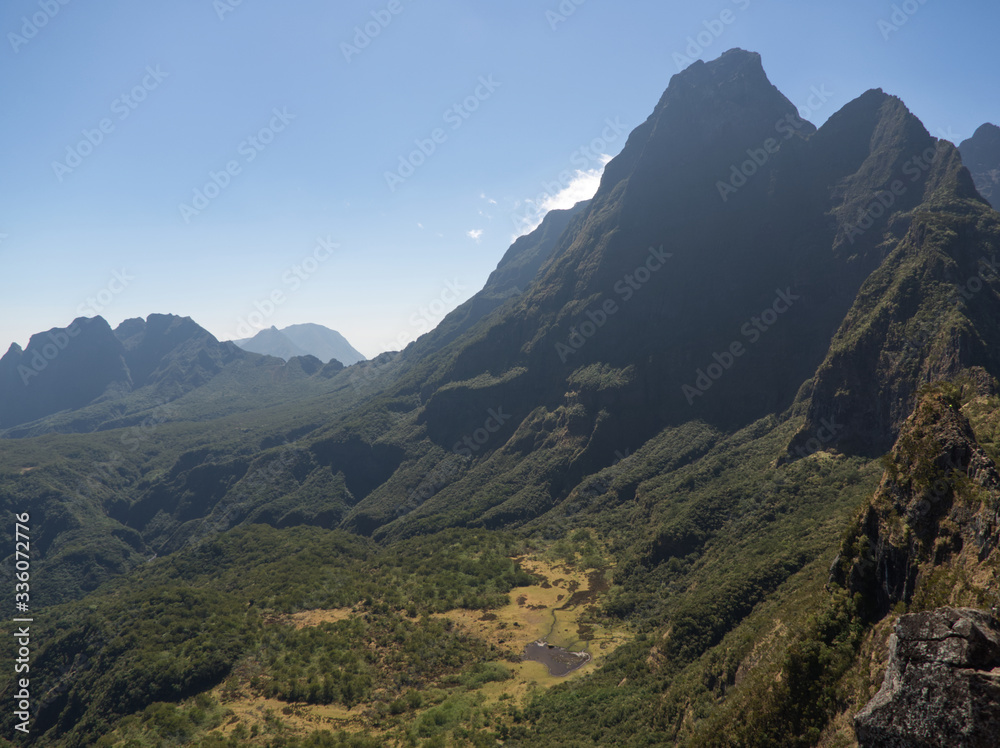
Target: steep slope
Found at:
706, 280
930, 312
981, 154
517, 269
932, 530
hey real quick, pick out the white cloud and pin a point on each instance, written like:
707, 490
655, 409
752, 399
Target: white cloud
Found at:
474, 234
420, 225
582, 186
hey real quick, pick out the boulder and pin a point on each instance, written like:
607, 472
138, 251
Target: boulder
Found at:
942, 684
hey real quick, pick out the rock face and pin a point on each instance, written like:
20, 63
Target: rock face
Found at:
942, 684
937, 500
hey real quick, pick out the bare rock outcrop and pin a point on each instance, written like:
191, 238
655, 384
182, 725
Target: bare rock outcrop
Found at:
942, 684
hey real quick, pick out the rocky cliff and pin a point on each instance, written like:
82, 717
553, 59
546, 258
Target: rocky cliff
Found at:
942, 684
938, 505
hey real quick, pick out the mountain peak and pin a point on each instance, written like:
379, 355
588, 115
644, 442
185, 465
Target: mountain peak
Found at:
988, 130
301, 340
981, 155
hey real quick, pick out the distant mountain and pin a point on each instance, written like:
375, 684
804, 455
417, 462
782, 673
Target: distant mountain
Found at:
981, 154
92, 374
61, 369
271, 342
303, 340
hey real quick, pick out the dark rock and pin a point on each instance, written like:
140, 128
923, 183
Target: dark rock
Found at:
942, 684
981, 154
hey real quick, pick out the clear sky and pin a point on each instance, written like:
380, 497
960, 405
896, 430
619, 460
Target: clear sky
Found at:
418, 136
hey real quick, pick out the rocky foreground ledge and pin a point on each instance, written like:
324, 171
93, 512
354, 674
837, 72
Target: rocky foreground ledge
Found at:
942, 684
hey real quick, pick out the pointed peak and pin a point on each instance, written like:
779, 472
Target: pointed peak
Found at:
986, 134
733, 64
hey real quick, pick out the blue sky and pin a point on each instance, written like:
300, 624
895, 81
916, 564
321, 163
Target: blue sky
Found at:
290, 117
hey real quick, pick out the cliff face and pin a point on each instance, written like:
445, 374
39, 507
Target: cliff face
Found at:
927, 542
938, 505
942, 684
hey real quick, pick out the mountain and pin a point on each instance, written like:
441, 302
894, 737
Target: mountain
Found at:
981, 153
302, 340
60, 369
67, 369
87, 376
271, 342
760, 349
683, 293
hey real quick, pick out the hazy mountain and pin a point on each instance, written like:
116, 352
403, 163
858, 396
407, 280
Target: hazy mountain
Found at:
62, 369
981, 154
301, 340
87, 376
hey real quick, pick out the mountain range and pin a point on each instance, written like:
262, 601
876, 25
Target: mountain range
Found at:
724, 428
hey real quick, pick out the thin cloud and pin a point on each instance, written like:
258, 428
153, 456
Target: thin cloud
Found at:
583, 186
474, 234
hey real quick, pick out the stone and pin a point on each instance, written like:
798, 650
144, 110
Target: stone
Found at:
942, 684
